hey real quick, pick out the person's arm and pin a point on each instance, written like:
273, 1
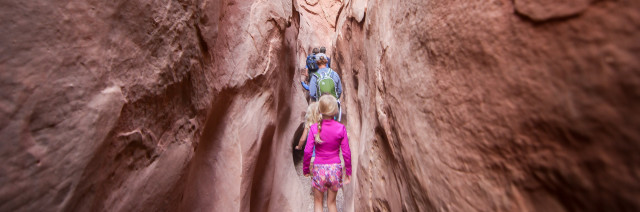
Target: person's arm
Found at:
346, 152
338, 84
312, 87
308, 150
302, 138
304, 74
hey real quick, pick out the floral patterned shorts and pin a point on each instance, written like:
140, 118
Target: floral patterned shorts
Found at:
327, 176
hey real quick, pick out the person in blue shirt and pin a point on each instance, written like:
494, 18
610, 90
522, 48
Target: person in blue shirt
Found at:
305, 71
322, 69
317, 53
313, 88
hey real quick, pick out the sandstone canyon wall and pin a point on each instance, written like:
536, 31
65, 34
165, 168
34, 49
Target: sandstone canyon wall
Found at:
493, 105
148, 105
102, 103
165, 105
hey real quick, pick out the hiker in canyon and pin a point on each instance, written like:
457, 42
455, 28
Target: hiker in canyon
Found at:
311, 65
312, 117
325, 81
310, 68
328, 137
323, 52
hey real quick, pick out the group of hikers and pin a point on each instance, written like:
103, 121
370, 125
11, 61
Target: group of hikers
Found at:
324, 133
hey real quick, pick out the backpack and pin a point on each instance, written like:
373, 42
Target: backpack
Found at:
311, 63
325, 84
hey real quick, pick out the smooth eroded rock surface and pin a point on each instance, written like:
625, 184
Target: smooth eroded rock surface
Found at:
468, 106
149, 106
550, 9
102, 103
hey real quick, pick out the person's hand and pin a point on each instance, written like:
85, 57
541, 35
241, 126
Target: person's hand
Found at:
298, 147
347, 179
306, 175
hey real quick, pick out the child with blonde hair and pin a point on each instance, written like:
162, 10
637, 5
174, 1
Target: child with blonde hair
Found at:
328, 137
312, 117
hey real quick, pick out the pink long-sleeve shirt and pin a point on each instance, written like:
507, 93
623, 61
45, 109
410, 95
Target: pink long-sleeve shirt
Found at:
334, 137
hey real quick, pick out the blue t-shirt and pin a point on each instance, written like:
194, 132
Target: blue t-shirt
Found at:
314, 82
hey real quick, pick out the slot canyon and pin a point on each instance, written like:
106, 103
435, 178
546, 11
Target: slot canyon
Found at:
195, 105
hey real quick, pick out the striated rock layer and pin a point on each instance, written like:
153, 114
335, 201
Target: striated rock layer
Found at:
492, 105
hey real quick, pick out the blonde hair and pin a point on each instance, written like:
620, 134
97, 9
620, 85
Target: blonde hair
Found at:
328, 106
313, 115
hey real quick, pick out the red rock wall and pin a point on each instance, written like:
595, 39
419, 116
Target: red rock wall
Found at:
492, 105
191, 105
149, 106
102, 103
243, 161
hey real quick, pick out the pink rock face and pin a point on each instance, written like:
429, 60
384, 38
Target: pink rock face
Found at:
550, 9
102, 103
468, 106
149, 106
318, 21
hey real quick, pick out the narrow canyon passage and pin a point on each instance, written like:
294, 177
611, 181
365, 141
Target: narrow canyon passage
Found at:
259, 174
450, 105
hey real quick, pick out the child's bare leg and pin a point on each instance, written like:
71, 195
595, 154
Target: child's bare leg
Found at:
331, 201
317, 197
